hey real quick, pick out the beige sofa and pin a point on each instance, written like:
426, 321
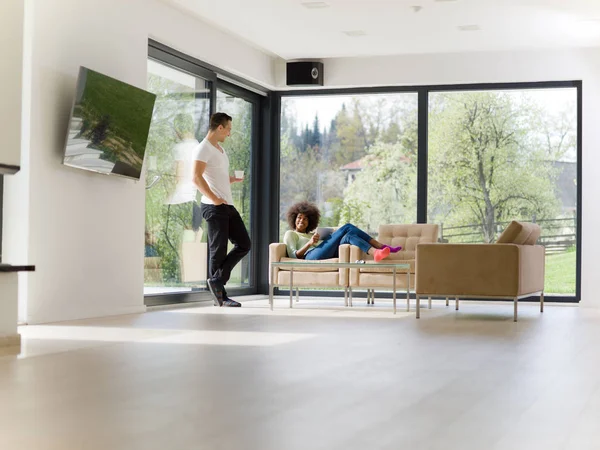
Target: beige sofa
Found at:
511, 268
371, 277
368, 277
309, 276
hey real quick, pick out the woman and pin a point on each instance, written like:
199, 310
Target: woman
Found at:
304, 217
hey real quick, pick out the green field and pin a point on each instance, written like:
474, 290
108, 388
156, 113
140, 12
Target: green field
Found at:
560, 273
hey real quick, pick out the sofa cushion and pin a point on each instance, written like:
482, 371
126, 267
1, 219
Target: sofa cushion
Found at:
520, 233
408, 236
309, 267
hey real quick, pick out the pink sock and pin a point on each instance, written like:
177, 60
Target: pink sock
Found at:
393, 249
381, 253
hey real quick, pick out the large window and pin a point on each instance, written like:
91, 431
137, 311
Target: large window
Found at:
470, 158
355, 156
502, 155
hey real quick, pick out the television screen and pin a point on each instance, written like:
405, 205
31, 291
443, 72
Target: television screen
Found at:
109, 125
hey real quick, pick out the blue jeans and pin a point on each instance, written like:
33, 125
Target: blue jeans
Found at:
347, 234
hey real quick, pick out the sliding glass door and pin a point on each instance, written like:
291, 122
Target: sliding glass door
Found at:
242, 106
175, 242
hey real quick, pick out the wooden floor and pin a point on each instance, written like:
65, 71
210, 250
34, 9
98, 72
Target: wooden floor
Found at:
316, 377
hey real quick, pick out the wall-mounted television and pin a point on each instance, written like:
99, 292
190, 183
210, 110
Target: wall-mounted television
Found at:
109, 125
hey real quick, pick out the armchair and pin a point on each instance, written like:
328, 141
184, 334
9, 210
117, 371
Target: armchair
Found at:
511, 268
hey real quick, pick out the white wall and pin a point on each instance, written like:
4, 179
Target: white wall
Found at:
575, 64
11, 57
83, 231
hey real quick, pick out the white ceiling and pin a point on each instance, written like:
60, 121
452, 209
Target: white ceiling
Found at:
291, 31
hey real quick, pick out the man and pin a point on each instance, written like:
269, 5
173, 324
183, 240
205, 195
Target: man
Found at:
211, 176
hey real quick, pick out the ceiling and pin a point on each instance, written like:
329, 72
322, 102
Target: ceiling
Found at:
289, 30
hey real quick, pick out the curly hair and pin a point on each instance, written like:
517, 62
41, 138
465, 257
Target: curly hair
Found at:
310, 210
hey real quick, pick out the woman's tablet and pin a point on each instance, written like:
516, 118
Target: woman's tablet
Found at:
324, 232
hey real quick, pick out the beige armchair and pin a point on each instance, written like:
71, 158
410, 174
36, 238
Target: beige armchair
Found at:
511, 268
408, 236
309, 276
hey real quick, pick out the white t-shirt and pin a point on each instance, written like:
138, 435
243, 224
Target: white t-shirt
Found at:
185, 190
216, 173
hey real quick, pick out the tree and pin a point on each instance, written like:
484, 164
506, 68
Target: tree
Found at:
385, 190
485, 163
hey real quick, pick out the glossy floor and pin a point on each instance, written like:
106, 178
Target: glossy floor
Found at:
315, 377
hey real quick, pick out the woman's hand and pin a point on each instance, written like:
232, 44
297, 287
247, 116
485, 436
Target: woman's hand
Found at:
314, 239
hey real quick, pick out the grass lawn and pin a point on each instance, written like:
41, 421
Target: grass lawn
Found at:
560, 273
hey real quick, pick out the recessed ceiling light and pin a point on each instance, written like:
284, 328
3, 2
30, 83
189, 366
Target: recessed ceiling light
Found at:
469, 28
355, 33
315, 5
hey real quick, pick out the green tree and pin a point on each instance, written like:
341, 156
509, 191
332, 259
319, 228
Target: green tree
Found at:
485, 161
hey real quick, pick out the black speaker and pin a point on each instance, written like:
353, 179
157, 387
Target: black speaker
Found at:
304, 73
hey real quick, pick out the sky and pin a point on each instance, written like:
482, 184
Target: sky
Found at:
327, 106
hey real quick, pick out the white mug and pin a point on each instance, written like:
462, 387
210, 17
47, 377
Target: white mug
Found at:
239, 174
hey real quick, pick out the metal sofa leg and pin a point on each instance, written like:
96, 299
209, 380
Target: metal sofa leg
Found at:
429, 302
418, 307
516, 299
542, 302
457, 303
297, 295
447, 301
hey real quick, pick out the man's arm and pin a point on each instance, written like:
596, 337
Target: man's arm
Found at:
202, 185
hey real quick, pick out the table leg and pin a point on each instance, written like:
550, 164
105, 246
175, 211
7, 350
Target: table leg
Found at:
291, 286
394, 281
272, 287
408, 290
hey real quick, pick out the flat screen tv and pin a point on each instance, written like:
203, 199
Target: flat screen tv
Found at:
109, 125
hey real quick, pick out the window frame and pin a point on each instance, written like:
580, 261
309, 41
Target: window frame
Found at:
423, 128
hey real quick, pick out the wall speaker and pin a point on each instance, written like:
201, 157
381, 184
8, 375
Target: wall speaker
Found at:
304, 73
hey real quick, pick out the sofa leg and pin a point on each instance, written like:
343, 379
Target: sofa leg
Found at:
372, 296
350, 297
418, 307
429, 302
447, 301
542, 302
345, 296
297, 295
516, 299
457, 303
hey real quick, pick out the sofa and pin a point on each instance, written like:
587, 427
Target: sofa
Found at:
309, 276
512, 268
368, 277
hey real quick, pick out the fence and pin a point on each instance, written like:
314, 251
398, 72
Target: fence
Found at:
558, 235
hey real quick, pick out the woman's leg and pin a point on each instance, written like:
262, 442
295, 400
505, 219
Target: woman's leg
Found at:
325, 250
354, 239
364, 236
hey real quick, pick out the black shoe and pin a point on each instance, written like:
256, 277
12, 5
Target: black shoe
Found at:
231, 303
216, 290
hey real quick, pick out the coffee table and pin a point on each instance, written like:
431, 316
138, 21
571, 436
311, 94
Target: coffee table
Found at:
333, 265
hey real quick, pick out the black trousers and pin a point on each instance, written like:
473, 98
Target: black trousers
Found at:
224, 224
